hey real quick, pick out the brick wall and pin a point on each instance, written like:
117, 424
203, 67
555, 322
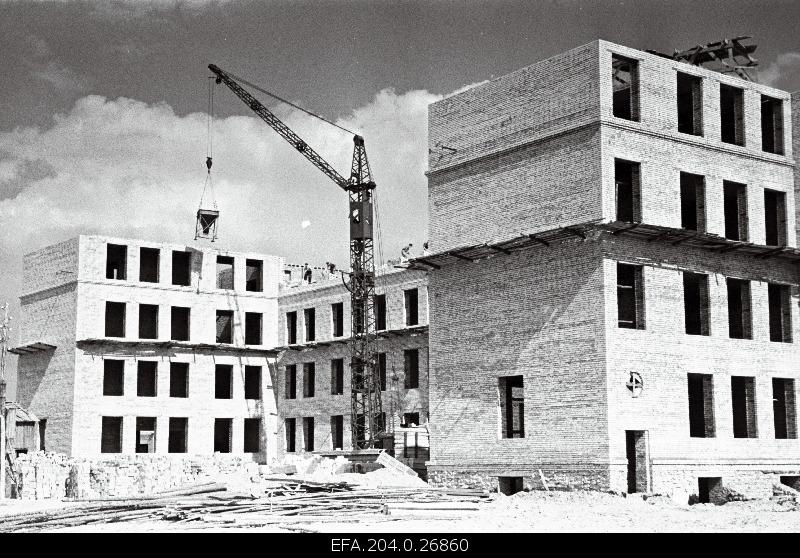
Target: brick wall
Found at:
200, 407
49, 267
44, 476
664, 354
323, 405
525, 160
536, 313
552, 183
203, 264
45, 382
523, 165
541, 100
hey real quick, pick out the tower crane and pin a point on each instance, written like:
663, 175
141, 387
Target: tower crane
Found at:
367, 425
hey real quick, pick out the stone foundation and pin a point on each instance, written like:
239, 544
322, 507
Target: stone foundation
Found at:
738, 481
52, 475
561, 478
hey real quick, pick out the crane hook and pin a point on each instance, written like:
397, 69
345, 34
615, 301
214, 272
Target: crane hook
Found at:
208, 164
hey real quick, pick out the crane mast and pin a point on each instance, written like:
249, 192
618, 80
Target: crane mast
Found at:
367, 427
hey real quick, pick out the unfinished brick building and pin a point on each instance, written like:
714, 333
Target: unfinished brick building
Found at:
141, 347
313, 388
613, 284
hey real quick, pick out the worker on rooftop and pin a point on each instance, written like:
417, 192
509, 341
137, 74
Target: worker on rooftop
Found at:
307, 273
405, 253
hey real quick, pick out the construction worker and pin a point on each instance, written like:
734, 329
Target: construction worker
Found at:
405, 253
425, 251
307, 273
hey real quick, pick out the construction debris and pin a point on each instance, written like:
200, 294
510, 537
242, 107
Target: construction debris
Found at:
43, 475
726, 56
284, 501
187, 491
391, 463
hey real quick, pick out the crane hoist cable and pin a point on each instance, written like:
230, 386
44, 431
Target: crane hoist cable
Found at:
207, 218
378, 230
209, 185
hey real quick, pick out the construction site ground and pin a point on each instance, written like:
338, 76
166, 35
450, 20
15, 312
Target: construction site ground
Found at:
382, 501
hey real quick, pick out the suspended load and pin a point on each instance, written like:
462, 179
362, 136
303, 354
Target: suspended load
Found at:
207, 218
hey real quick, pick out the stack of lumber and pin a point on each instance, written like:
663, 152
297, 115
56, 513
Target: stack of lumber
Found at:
284, 502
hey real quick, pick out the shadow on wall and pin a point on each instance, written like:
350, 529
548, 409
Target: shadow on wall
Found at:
538, 313
30, 373
196, 260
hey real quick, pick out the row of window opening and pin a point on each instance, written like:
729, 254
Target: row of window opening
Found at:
697, 304
411, 305
111, 435
410, 376
743, 407
693, 204
147, 379
689, 106
180, 321
337, 430
149, 268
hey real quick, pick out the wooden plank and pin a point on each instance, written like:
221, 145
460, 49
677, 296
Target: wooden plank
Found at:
391, 463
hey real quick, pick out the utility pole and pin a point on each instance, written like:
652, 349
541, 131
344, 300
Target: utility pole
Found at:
4, 329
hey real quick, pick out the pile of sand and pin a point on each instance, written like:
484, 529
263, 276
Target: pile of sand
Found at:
316, 468
382, 478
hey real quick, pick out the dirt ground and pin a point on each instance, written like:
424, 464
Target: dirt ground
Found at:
523, 512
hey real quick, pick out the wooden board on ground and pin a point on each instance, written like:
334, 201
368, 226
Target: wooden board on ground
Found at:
393, 464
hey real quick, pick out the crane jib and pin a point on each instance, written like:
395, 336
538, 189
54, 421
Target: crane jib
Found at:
282, 129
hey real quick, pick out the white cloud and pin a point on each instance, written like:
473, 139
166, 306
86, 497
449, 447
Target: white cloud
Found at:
788, 62
122, 167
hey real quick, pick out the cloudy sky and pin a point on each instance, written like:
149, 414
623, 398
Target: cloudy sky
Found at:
103, 125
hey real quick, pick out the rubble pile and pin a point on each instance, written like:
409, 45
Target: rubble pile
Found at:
52, 475
322, 489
